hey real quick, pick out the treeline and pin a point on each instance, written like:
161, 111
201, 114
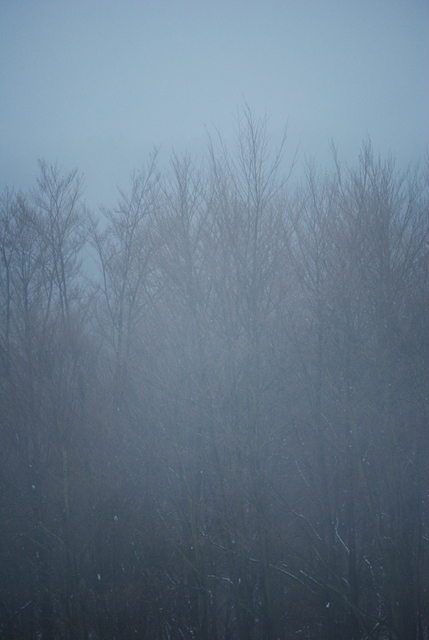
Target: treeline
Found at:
214, 402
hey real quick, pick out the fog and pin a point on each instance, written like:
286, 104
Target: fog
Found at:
214, 386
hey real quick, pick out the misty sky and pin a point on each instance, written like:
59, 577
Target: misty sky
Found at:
95, 84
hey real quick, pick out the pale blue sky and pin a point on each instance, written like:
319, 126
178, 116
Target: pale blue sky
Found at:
96, 83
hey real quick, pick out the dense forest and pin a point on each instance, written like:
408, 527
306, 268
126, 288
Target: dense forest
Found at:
214, 401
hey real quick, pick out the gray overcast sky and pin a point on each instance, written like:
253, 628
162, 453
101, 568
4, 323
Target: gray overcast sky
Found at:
97, 83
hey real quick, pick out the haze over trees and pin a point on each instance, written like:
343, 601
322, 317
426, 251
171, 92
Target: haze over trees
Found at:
214, 402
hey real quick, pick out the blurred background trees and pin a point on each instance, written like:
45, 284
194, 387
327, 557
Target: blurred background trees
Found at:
214, 402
